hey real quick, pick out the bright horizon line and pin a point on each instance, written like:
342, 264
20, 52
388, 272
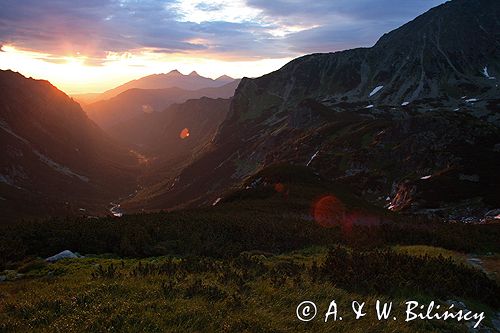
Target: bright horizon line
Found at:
162, 73
90, 47
146, 75
74, 76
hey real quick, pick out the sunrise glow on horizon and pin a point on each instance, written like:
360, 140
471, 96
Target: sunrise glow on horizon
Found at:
74, 75
92, 46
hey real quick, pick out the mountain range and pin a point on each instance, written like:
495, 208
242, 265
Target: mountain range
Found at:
174, 78
177, 203
411, 124
137, 101
192, 81
57, 161
172, 140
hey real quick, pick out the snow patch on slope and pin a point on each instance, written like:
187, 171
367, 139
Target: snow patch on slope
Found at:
58, 167
312, 158
116, 210
6, 128
376, 90
54, 165
486, 74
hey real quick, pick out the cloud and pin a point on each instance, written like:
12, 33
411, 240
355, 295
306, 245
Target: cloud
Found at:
355, 9
92, 27
209, 7
340, 24
235, 29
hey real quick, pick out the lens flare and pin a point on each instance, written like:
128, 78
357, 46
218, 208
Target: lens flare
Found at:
184, 133
329, 211
279, 187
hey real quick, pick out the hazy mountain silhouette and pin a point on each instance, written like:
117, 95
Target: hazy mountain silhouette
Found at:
171, 139
158, 132
84, 99
192, 81
134, 102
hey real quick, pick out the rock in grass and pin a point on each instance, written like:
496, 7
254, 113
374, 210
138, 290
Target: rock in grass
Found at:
66, 254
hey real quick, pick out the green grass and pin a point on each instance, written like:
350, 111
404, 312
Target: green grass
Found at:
205, 295
432, 251
241, 266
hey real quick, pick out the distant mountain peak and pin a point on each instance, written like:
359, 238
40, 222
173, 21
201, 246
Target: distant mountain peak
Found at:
174, 72
224, 78
174, 78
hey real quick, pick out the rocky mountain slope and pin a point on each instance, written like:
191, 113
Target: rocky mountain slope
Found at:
445, 54
410, 123
170, 140
135, 101
55, 160
159, 133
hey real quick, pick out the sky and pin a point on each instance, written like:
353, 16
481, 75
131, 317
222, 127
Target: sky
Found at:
94, 45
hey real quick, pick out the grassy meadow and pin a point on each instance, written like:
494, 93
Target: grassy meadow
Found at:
243, 266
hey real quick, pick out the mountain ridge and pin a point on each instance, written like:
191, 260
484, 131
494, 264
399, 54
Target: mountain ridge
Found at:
367, 117
174, 78
55, 157
135, 101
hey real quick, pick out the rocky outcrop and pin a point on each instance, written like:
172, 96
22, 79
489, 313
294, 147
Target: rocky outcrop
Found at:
66, 254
